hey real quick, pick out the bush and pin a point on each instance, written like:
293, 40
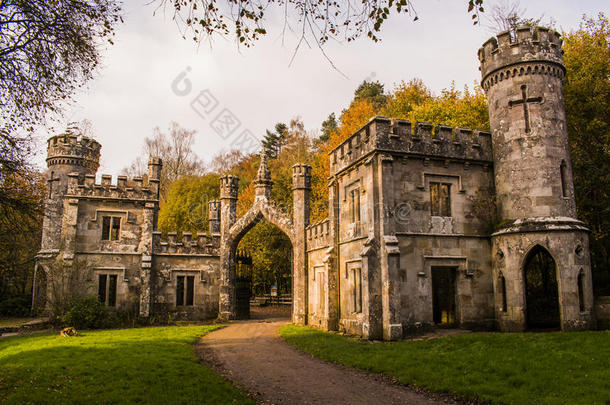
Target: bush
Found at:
87, 313
18, 306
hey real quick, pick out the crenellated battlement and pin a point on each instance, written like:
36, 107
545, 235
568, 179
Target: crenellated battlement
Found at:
229, 186
123, 189
201, 244
318, 234
301, 176
421, 139
539, 47
74, 150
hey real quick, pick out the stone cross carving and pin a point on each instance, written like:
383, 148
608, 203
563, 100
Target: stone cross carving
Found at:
524, 100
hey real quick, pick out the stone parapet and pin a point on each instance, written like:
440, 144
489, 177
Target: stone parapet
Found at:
70, 149
422, 139
530, 46
318, 235
123, 189
202, 244
301, 177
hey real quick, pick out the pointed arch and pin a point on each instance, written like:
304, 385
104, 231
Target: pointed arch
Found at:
541, 289
261, 209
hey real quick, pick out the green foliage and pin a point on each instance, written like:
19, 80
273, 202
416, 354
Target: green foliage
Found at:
415, 102
271, 253
515, 368
147, 365
86, 313
21, 211
273, 141
587, 101
16, 306
372, 92
186, 208
328, 127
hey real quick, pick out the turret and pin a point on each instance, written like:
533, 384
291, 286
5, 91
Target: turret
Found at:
154, 174
539, 241
228, 202
69, 157
522, 77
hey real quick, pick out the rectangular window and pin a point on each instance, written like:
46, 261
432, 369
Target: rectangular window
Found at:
355, 205
111, 228
101, 288
112, 290
440, 199
179, 291
106, 289
357, 290
190, 287
185, 290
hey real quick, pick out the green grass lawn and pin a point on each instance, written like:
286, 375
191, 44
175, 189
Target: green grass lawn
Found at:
523, 368
146, 365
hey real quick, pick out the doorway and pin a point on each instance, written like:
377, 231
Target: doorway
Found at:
541, 290
443, 296
263, 282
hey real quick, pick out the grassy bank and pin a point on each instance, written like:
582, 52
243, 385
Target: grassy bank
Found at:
146, 365
525, 368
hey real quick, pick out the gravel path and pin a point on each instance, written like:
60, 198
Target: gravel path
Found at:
254, 356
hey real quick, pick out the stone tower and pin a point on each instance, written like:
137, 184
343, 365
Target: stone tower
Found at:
522, 78
68, 155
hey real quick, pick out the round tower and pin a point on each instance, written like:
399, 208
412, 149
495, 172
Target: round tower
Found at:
522, 78
67, 154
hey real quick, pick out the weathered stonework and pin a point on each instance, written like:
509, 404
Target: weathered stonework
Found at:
411, 208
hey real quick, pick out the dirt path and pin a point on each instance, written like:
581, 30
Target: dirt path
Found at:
254, 356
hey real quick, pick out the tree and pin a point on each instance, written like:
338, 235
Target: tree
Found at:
186, 206
372, 92
175, 148
224, 160
508, 16
316, 21
273, 141
455, 108
47, 50
328, 128
587, 100
20, 231
405, 97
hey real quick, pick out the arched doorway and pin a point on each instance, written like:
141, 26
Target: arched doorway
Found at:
541, 290
269, 274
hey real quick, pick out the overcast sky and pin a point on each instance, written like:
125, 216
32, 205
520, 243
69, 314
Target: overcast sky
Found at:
137, 87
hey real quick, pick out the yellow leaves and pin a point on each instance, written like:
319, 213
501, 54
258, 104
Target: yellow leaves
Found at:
415, 102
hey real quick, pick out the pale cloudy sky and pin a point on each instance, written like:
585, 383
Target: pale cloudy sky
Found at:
133, 91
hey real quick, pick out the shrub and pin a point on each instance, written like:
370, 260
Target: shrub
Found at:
86, 313
18, 306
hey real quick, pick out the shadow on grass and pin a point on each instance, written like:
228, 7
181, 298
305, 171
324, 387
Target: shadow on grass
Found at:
508, 368
148, 365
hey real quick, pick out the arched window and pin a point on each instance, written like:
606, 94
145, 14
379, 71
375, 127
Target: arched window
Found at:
502, 283
581, 290
541, 289
564, 180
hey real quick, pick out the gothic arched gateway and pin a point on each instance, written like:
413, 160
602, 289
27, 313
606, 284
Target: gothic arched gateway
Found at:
232, 230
